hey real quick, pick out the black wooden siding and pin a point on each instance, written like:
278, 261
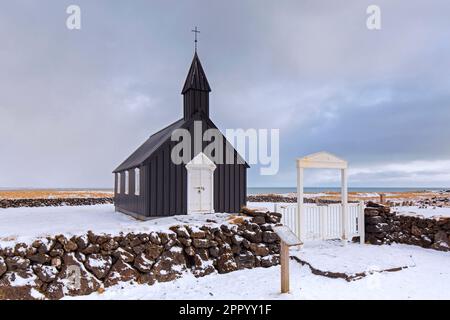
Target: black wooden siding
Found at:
164, 185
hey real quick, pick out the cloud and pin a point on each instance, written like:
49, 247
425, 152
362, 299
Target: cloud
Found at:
73, 104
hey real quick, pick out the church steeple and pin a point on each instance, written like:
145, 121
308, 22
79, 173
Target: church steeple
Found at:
196, 91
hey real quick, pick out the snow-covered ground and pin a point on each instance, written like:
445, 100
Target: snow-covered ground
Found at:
27, 224
427, 277
424, 212
427, 274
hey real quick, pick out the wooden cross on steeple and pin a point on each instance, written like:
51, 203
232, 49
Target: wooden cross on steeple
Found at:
196, 31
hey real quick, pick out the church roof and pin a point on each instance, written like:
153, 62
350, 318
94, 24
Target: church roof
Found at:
149, 146
155, 141
196, 78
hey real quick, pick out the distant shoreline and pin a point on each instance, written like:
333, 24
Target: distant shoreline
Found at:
267, 190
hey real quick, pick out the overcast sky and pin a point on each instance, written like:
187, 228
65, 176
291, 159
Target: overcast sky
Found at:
75, 104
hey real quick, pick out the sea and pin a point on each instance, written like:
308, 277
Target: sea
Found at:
283, 190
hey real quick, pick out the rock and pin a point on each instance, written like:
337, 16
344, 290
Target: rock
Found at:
146, 278
169, 265
245, 260
45, 273
187, 242
70, 246
91, 249
3, 266
123, 255
266, 227
196, 233
269, 237
109, 245
441, 241
20, 250
259, 249
74, 280
102, 239
56, 253
259, 220
252, 236
120, 272
271, 218
40, 258
378, 228
226, 263
201, 243
164, 237
415, 230
99, 265
137, 250
373, 219
441, 246
214, 252
154, 238
180, 231
56, 262
189, 251
236, 239
270, 261
19, 285
17, 263
202, 267
143, 263
82, 242
153, 251
441, 236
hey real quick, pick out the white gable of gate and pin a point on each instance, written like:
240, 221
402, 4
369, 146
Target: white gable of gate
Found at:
322, 160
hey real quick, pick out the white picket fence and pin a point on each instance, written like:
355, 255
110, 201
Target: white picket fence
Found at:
323, 222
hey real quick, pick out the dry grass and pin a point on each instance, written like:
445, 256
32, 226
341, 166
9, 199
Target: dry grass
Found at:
49, 194
236, 219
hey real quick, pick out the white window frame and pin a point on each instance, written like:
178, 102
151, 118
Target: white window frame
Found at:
127, 182
137, 182
118, 182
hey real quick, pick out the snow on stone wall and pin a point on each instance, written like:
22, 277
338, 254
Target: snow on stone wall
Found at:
57, 266
384, 227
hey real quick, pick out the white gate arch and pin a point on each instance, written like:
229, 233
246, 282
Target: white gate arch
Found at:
334, 217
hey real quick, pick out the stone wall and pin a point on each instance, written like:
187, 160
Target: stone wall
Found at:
16, 203
385, 227
58, 266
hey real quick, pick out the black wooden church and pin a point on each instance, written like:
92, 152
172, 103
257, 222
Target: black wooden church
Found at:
148, 184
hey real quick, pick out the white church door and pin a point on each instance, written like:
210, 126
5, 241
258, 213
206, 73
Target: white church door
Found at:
200, 184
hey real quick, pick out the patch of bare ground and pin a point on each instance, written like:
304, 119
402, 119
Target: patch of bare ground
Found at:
54, 194
342, 275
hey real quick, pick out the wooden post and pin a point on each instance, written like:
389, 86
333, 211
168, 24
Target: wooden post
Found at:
288, 239
344, 200
382, 198
300, 205
361, 223
284, 260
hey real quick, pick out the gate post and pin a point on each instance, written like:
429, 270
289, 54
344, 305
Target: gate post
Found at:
361, 223
344, 200
300, 205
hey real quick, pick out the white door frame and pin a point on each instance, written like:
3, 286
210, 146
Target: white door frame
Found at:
322, 160
203, 163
